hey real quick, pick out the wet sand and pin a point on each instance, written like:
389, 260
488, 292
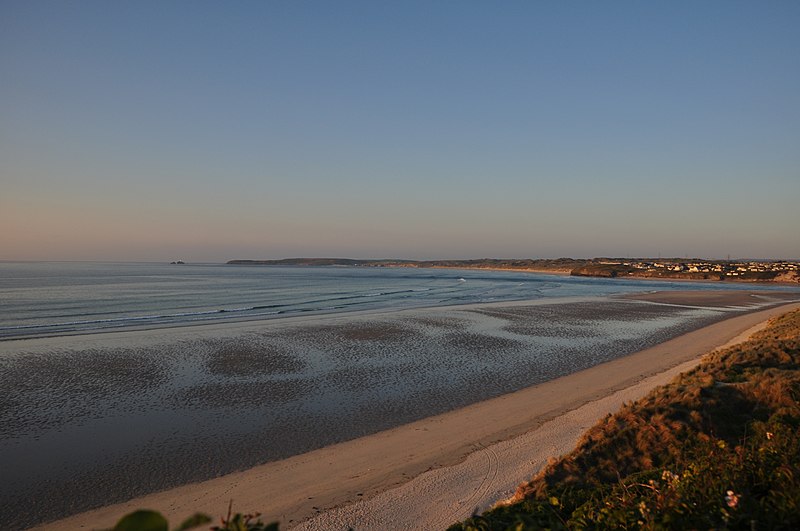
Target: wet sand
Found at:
302, 486
712, 298
442, 496
298, 487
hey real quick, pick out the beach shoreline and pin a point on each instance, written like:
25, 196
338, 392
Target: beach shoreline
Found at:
140, 336
295, 489
244, 322
289, 319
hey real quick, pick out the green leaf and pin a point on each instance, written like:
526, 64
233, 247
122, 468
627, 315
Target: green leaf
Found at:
142, 521
195, 520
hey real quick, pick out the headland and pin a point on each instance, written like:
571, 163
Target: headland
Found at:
782, 271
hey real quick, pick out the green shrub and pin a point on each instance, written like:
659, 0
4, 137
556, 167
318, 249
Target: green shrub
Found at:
144, 520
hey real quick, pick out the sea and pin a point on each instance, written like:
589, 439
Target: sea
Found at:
65, 298
89, 417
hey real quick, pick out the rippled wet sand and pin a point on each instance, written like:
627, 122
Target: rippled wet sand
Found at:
87, 427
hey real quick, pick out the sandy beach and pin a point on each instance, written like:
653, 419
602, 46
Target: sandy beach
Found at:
431, 472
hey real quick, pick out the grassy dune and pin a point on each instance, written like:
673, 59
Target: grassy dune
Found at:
717, 448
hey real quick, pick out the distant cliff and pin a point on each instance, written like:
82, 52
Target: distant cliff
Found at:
614, 271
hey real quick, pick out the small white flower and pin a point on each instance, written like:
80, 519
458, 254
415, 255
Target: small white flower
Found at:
732, 499
669, 476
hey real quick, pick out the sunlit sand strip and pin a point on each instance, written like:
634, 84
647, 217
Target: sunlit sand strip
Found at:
440, 497
378, 468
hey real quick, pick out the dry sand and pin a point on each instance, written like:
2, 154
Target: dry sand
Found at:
430, 473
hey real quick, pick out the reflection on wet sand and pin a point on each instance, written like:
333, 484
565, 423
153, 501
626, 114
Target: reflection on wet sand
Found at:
109, 423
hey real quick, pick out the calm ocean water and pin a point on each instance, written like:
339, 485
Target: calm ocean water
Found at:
67, 297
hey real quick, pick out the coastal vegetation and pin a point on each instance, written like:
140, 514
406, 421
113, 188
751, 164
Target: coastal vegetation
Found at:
719, 447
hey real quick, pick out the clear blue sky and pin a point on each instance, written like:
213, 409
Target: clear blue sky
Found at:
216, 130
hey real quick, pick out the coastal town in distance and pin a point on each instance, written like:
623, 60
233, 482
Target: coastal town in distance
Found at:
666, 268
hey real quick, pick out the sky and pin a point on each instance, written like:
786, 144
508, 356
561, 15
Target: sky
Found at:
209, 131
